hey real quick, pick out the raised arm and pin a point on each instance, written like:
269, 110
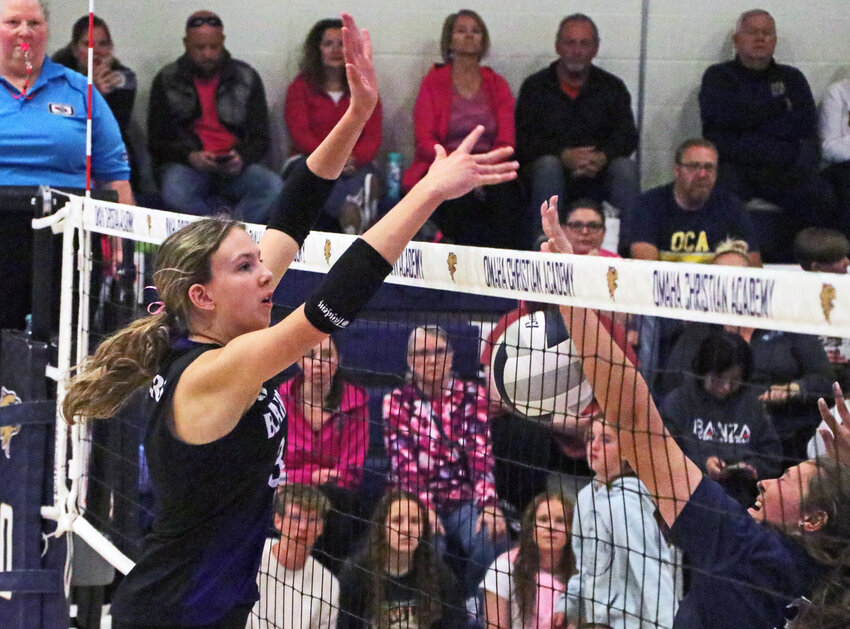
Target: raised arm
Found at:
221, 384
622, 392
300, 204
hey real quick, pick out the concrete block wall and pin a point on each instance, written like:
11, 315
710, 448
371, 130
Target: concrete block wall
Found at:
681, 40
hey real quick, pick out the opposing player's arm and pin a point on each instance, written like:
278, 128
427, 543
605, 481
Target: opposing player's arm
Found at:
618, 386
280, 243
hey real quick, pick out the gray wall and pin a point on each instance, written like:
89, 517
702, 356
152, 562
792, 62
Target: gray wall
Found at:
682, 38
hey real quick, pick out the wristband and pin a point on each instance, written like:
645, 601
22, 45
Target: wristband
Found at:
300, 203
347, 287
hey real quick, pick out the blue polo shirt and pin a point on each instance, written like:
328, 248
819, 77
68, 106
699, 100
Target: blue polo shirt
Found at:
43, 135
743, 574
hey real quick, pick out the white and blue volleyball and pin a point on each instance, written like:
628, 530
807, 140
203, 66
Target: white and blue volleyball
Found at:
537, 370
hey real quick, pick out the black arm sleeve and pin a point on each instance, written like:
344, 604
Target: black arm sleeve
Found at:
300, 203
347, 287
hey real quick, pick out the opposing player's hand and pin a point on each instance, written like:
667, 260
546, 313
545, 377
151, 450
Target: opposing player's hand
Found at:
557, 240
452, 176
359, 69
836, 439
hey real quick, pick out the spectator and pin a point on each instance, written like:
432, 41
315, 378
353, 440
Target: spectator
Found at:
718, 420
575, 127
326, 443
115, 81
685, 220
454, 97
315, 102
438, 441
825, 251
625, 575
43, 106
296, 591
761, 116
208, 128
584, 225
835, 145
398, 580
522, 585
790, 370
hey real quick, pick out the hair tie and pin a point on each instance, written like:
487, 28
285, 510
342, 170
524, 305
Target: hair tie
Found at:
155, 307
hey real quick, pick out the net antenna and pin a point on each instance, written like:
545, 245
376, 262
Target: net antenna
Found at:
90, 76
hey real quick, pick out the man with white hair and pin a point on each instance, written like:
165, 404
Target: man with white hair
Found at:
761, 115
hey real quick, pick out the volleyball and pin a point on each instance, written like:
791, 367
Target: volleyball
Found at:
537, 371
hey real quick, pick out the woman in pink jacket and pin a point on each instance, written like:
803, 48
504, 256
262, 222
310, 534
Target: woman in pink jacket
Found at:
326, 442
454, 97
315, 101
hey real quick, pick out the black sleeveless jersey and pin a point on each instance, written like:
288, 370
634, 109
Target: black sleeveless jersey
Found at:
213, 508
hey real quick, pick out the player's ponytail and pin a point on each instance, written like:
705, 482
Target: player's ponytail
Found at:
130, 358
122, 363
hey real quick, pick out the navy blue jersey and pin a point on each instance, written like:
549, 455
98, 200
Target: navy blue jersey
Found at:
744, 574
213, 507
690, 235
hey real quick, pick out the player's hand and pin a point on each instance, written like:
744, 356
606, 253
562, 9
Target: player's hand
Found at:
557, 240
836, 438
452, 176
359, 69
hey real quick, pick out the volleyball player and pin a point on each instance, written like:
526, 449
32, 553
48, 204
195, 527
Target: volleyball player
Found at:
788, 557
216, 433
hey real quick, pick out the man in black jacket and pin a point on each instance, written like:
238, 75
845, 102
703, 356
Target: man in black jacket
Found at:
761, 115
575, 128
208, 128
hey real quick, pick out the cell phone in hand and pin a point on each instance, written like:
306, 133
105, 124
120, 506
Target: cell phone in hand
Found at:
223, 158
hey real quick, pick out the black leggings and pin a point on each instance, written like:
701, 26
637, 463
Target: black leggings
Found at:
237, 618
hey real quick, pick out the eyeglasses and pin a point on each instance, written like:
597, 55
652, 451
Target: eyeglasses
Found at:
200, 20
697, 166
591, 226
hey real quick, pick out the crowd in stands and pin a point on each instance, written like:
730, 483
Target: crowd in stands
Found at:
438, 545
755, 176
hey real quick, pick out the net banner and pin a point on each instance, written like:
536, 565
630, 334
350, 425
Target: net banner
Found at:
779, 299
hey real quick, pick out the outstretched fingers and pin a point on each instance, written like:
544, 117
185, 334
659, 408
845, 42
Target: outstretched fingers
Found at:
837, 438
359, 68
551, 224
494, 156
469, 141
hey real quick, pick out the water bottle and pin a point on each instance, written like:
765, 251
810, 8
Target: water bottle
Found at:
394, 176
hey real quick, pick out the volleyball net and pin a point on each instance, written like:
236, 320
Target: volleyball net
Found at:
492, 316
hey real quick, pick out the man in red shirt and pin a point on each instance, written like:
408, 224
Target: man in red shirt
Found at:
208, 128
